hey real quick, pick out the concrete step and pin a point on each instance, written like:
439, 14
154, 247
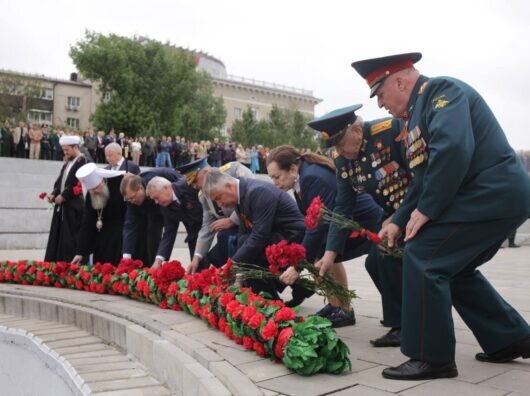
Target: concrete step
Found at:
24, 197
25, 220
23, 240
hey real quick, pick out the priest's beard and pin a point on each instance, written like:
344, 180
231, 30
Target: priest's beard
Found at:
99, 200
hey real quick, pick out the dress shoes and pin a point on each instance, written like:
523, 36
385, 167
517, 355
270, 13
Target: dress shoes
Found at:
390, 339
340, 318
515, 351
415, 370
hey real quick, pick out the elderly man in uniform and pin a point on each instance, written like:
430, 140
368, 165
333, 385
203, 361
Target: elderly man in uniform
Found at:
215, 220
267, 215
179, 203
369, 161
113, 155
470, 191
68, 209
103, 215
144, 224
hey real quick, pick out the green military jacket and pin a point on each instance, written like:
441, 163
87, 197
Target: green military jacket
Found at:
464, 168
380, 170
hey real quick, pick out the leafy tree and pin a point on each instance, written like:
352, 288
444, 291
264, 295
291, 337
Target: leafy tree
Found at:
154, 89
283, 126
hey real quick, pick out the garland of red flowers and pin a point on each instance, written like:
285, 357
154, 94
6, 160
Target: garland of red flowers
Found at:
317, 212
265, 326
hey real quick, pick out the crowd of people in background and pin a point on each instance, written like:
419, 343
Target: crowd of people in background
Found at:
42, 142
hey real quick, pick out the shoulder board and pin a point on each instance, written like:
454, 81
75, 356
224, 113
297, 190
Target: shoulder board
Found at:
381, 127
225, 167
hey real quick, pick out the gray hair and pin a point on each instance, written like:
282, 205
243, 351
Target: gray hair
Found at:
157, 183
215, 180
113, 147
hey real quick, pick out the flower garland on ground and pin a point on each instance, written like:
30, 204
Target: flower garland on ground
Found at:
317, 212
268, 327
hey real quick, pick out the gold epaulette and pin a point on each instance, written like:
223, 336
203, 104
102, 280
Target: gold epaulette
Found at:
225, 167
381, 127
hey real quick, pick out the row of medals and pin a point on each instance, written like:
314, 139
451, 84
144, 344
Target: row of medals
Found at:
393, 187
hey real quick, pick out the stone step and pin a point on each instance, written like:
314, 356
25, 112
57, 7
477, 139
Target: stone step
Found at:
25, 220
24, 197
22, 240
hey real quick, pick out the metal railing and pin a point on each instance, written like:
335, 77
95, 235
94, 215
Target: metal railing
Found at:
266, 84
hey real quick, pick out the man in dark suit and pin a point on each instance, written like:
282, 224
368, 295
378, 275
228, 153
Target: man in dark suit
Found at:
267, 216
143, 226
113, 154
67, 212
179, 203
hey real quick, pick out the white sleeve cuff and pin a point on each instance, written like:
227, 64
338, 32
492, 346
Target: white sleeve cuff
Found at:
198, 255
160, 258
127, 256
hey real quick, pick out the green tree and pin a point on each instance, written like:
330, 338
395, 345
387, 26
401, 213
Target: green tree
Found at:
282, 126
154, 89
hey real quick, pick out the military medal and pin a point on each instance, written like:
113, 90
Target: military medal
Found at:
344, 175
99, 222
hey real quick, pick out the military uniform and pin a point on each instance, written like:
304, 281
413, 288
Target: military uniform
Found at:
380, 171
469, 182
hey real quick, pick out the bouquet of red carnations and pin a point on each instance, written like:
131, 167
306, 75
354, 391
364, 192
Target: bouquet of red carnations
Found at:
283, 255
317, 213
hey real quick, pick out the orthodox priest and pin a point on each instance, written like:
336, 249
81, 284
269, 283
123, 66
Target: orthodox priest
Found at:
68, 208
103, 215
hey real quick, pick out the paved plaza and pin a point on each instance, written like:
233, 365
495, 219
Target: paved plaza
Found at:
509, 272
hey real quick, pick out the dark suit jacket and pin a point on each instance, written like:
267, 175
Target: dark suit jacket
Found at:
128, 166
188, 210
136, 215
71, 200
265, 213
315, 180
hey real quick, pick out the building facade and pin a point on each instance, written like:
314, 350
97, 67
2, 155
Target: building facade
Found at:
46, 100
70, 103
240, 93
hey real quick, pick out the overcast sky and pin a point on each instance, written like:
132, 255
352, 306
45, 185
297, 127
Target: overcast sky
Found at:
306, 44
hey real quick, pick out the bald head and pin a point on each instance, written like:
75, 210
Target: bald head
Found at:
113, 154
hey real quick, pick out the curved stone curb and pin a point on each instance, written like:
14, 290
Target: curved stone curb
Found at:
184, 365
51, 358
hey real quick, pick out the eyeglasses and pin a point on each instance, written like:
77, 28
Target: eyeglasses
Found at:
131, 197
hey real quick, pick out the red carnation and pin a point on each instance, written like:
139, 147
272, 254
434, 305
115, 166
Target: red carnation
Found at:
79, 285
283, 339
226, 298
283, 254
260, 349
43, 195
313, 213
374, 237
222, 324
163, 304
212, 319
248, 313
133, 275
248, 342
256, 321
107, 268
284, 314
269, 330
77, 190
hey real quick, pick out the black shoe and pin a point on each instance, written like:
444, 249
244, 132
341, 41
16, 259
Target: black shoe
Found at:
515, 351
390, 339
418, 370
382, 322
299, 295
513, 245
327, 310
341, 318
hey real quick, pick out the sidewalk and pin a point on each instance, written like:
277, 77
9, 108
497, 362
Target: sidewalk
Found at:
509, 272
